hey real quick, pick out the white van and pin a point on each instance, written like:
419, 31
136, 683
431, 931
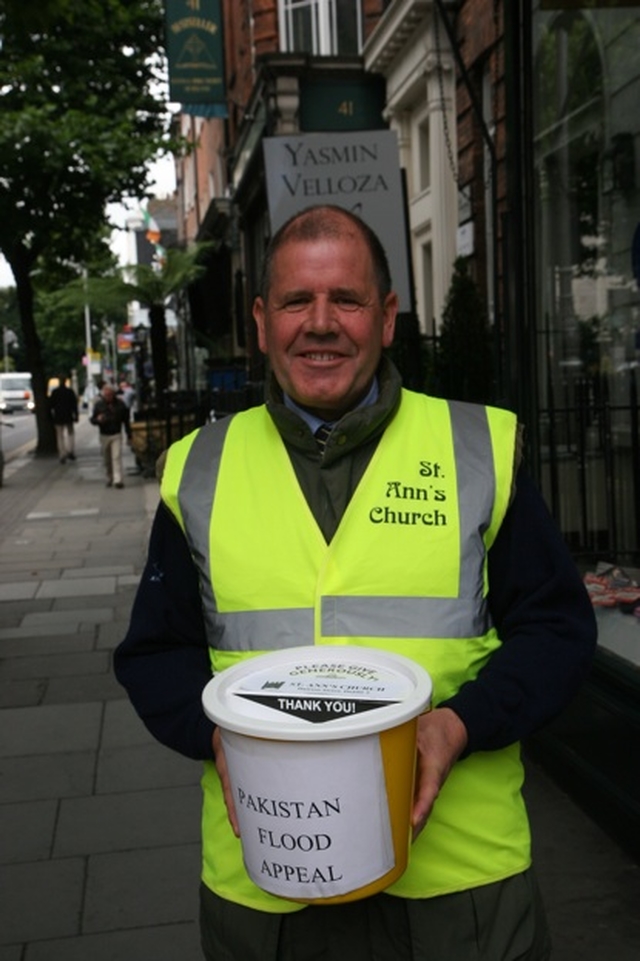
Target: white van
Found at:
16, 393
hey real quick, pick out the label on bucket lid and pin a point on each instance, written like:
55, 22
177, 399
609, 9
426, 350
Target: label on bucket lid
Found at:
324, 690
336, 691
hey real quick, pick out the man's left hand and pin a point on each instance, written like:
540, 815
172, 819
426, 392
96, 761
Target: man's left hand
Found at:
442, 737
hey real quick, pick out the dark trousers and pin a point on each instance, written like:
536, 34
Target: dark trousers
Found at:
497, 922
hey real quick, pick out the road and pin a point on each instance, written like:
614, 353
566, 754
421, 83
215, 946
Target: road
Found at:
22, 430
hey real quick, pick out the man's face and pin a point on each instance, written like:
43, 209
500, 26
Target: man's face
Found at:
323, 326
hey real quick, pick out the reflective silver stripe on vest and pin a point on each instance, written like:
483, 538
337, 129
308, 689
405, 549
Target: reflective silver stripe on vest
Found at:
263, 630
476, 488
195, 496
403, 617
466, 615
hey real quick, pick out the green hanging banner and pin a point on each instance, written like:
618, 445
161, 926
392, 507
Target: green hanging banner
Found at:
195, 50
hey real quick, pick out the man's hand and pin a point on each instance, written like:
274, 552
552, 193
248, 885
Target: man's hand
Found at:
223, 772
441, 739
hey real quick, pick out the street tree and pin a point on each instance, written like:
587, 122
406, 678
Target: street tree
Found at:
80, 119
149, 285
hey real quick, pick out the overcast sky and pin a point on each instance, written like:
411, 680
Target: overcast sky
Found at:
164, 183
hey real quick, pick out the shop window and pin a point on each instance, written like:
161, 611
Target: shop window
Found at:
320, 27
586, 135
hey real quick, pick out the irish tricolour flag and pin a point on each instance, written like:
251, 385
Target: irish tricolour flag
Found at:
153, 231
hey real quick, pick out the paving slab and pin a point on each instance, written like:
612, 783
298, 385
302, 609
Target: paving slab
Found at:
108, 636
142, 767
41, 900
47, 644
114, 570
18, 591
26, 831
11, 953
69, 774
22, 693
122, 727
59, 729
163, 942
55, 665
80, 689
12, 612
135, 819
73, 616
137, 889
77, 587
45, 628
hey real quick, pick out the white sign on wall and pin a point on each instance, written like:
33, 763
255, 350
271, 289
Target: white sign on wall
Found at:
358, 170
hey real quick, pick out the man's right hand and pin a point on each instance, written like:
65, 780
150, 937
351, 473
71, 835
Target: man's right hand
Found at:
223, 772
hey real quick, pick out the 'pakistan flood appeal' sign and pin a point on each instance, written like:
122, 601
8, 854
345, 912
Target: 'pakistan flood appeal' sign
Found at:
328, 729
359, 171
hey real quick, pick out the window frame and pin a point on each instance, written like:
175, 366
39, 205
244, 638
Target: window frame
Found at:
324, 25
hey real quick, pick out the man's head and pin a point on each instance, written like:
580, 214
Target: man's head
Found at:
326, 309
108, 393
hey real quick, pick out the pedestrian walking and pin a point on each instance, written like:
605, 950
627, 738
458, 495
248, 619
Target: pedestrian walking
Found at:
408, 525
111, 415
63, 404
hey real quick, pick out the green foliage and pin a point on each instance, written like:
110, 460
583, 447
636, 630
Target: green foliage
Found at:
150, 286
464, 362
80, 119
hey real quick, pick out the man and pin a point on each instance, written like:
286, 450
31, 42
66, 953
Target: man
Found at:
127, 393
110, 414
272, 521
63, 404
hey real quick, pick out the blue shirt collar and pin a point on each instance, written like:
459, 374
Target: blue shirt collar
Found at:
314, 422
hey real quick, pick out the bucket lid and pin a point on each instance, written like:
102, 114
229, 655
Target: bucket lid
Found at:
317, 693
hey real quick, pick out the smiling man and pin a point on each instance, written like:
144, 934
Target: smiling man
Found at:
412, 513
325, 313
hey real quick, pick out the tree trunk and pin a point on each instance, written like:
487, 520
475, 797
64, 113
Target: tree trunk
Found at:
21, 261
158, 321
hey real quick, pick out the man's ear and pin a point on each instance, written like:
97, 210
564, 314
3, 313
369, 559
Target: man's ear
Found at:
389, 314
259, 317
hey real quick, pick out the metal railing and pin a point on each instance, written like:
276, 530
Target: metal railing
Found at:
589, 453
590, 465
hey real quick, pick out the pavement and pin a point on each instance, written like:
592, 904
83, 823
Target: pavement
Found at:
99, 825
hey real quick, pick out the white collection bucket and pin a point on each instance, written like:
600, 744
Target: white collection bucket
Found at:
321, 747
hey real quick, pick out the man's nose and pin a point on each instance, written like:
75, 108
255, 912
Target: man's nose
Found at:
322, 316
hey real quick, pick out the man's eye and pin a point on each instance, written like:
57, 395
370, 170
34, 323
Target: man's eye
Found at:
295, 303
348, 303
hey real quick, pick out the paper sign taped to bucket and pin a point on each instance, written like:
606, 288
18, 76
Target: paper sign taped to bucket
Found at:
310, 827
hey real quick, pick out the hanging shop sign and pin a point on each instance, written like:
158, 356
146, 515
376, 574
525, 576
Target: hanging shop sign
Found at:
195, 51
359, 171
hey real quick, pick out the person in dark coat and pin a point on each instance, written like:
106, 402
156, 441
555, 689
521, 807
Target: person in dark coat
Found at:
63, 404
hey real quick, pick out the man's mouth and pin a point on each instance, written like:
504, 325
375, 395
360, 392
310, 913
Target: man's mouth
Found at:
320, 356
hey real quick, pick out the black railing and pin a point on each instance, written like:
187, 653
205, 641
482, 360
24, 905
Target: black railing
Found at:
154, 429
590, 465
589, 456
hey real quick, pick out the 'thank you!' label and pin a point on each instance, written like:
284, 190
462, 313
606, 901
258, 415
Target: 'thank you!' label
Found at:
323, 690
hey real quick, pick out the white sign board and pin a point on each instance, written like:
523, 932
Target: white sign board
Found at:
358, 170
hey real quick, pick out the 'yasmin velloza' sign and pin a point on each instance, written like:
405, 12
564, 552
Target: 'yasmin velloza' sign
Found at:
358, 170
195, 51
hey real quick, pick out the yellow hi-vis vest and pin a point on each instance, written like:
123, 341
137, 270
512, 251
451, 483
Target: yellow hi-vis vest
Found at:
406, 571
